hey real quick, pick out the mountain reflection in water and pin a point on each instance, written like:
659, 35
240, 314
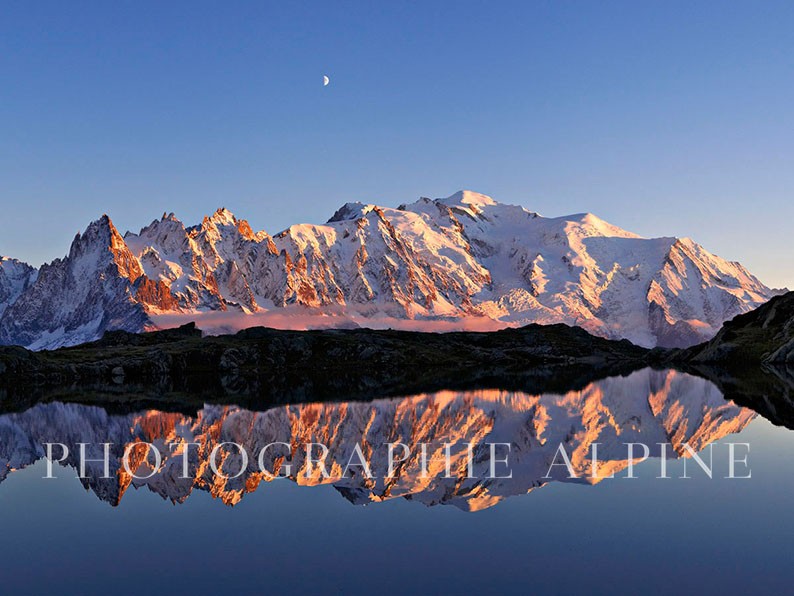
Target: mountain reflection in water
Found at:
648, 406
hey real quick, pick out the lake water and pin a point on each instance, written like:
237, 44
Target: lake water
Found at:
440, 521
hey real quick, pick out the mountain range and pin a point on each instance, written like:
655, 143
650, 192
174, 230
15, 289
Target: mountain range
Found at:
462, 262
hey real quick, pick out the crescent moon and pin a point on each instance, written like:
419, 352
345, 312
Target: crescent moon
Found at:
326, 80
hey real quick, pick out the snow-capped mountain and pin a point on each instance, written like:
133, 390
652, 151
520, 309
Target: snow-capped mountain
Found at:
15, 278
465, 261
75, 299
649, 406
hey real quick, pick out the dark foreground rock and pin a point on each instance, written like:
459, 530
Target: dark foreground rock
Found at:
260, 366
281, 366
762, 336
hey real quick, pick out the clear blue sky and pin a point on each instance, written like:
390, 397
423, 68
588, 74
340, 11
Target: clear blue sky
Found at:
666, 118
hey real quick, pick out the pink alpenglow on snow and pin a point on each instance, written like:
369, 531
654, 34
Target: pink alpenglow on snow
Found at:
463, 262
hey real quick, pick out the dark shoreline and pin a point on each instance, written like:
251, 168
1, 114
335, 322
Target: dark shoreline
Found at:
269, 366
262, 367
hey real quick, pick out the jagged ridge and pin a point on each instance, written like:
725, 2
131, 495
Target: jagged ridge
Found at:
465, 259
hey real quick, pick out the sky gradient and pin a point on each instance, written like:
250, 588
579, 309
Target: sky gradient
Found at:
667, 119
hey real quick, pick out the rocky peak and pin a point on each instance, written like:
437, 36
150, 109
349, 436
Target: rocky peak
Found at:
101, 244
15, 278
98, 233
351, 211
222, 217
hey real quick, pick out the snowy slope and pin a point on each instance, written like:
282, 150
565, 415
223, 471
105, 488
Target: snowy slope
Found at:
463, 261
15, 278
583, 271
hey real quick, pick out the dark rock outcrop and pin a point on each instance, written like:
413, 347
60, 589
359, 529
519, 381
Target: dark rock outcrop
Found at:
279, 366
764, 335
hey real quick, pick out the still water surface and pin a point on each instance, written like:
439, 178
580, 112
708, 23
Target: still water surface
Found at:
413, 532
